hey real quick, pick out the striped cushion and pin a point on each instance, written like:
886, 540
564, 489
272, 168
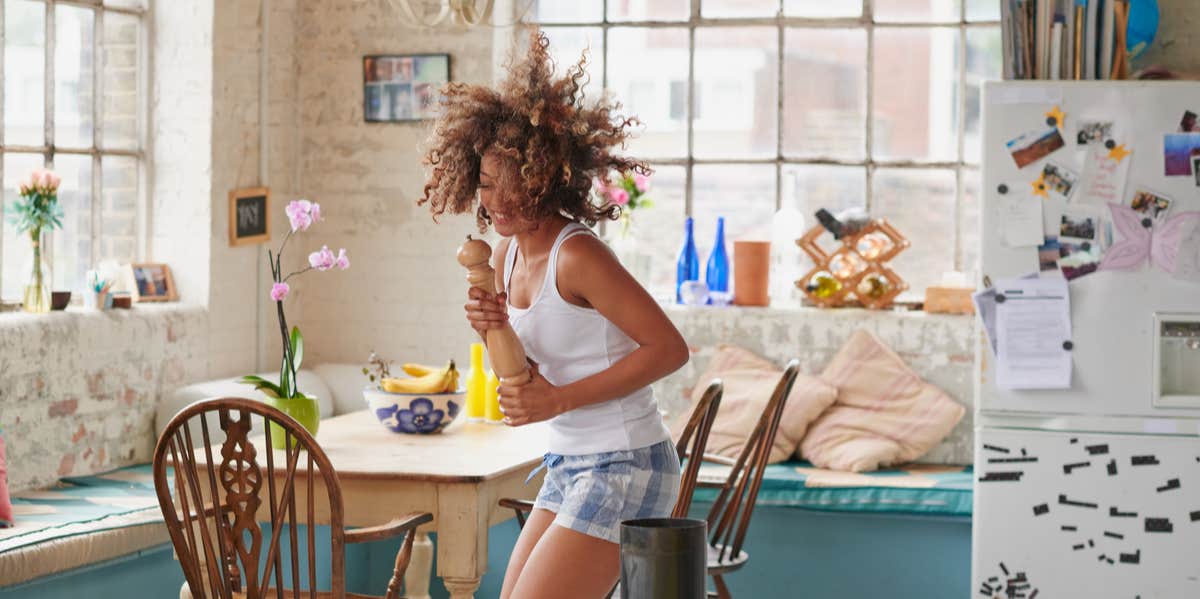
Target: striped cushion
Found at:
884, 413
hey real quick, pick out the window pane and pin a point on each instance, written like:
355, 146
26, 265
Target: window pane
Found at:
743, 194
118, 218
920, 204
73, 76
737, 83
827, 119
567, 45
968, 224
140, 4
925, 11
24, 72
659, 229
73, 242
983, 10
648, 10
739, 8
566, 11
121, 95
984, 54
822, 8
648, 71
916, 74
17, 257
809, 188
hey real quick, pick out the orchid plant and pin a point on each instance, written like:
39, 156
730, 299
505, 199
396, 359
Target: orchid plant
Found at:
301, 214
36, 210
627, 190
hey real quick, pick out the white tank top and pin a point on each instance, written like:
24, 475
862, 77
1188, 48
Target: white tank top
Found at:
570, 343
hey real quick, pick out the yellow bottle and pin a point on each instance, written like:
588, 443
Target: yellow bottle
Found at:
492, 398
476, 383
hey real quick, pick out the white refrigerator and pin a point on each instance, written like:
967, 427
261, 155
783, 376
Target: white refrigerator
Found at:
1092, 489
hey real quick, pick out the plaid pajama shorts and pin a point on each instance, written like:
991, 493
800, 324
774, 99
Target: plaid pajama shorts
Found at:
594, 493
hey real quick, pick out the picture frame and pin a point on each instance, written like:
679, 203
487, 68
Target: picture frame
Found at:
151, 282
249, 216
399, 88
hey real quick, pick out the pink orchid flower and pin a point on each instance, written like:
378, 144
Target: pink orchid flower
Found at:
322, 259
279, 291
342, 261
641, 182
302, 214
618, 196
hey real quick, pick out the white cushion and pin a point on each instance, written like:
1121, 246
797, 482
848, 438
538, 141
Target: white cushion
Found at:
346, 382
309, 383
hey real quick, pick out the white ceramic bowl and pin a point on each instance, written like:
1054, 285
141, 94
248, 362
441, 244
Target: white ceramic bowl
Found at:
414, 413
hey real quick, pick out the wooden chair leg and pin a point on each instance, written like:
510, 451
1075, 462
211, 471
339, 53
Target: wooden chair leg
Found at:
722, 590
402, 558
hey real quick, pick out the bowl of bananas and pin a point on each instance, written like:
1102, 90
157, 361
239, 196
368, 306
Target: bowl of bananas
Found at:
423, 403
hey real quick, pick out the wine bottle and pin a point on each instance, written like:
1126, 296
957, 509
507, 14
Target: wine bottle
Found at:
688, 266
716, 273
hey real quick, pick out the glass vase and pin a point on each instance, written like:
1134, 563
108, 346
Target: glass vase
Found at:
628, 250
37, 294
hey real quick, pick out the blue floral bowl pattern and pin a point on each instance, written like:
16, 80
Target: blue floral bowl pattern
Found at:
414, 413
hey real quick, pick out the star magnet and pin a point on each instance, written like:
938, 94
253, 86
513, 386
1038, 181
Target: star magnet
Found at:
1118, 153
1039, 187
1055, 117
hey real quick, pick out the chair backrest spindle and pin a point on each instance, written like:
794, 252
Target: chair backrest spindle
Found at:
692, 443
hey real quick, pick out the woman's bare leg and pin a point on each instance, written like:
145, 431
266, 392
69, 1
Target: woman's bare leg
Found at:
535, 526
567, 563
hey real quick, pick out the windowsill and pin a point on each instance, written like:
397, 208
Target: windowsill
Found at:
74, 314
792, 309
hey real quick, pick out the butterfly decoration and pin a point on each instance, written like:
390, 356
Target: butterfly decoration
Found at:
1144, 240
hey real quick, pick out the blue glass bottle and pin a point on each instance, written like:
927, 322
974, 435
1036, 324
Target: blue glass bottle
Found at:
688, 266
716, 273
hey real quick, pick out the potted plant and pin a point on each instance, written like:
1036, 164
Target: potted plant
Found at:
37, 210
285, 395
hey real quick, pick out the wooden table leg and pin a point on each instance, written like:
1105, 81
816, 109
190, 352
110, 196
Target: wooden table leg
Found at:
462, 527
420, 568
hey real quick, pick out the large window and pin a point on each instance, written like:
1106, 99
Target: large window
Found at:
73, 102
751, 106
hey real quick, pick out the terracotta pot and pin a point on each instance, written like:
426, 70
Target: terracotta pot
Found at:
751, 273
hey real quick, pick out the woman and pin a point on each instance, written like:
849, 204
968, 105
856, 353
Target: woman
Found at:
524, 157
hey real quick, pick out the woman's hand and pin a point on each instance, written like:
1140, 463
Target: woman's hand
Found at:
485, 311
535, 401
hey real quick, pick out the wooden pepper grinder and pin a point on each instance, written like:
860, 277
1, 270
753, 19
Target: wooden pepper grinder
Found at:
504, 347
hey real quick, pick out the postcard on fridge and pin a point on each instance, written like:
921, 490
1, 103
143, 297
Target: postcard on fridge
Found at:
1033, 334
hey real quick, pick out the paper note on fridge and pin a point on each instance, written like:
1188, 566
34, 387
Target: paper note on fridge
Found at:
1033, 326
1105, 174
1022, 218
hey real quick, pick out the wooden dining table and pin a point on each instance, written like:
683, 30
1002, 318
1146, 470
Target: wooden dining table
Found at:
457, 475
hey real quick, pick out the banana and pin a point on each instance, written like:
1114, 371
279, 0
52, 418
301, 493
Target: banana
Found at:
417, 370
437, 381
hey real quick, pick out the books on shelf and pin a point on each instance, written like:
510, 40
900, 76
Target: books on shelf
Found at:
1065, 39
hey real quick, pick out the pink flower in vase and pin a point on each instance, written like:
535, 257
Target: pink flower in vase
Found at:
279, 291
323, 259
641, 182
618, 196
302, 214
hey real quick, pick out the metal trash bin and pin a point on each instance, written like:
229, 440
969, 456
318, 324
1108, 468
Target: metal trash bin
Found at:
663, 558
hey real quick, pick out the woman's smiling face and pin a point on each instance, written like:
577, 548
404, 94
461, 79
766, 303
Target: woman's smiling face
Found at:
496, 196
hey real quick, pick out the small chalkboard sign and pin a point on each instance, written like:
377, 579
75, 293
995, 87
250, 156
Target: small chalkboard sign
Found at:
249, 216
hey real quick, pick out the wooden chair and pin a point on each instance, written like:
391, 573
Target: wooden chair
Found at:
729, 517
212, 518
695, 432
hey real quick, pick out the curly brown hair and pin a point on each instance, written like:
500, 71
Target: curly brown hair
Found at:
553, 142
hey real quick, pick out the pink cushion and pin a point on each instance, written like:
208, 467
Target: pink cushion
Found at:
884, 413
749, 381
6, 514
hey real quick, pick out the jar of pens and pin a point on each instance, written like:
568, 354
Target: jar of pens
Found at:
98, 292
